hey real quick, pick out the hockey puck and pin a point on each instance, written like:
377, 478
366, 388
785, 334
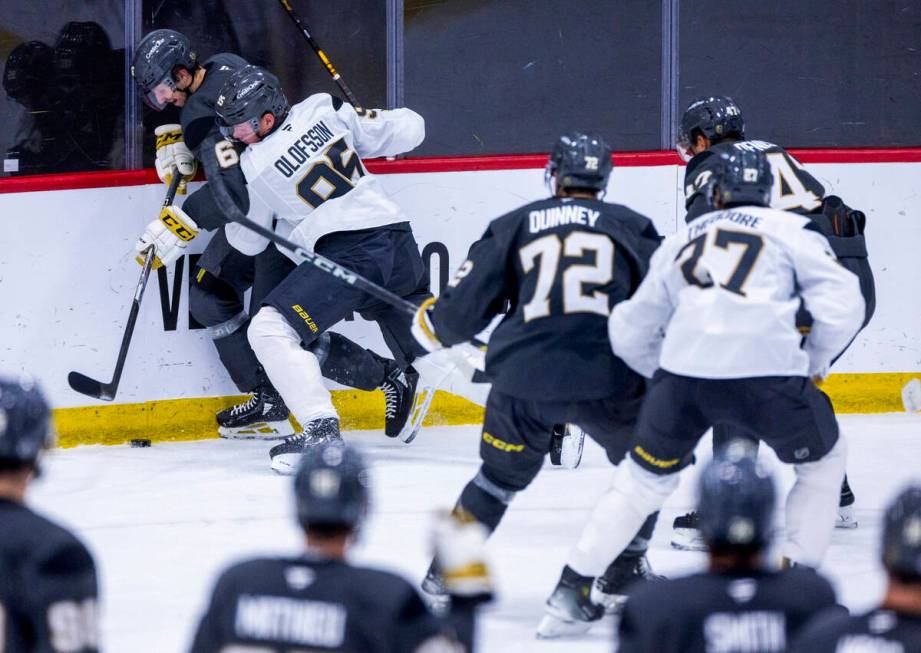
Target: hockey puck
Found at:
141, 442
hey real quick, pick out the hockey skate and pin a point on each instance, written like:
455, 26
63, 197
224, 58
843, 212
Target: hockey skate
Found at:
566, 446
569, 609
405, 403
610, 590
287, 456
264, 416
686, 533
846, 517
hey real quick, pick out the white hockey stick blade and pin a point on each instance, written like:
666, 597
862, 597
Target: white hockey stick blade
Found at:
421, 402
571, 449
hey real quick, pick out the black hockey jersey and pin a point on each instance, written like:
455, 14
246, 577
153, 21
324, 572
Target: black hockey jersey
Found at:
757, 612
794, 188
47, 586
308, 604
197, 116
561, 264
879, 631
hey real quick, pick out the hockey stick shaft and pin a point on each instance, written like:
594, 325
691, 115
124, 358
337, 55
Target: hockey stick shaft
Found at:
230, 209
106, 391
286, 4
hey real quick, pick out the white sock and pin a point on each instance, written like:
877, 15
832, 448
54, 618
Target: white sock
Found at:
812, 506
634, 494
294, 372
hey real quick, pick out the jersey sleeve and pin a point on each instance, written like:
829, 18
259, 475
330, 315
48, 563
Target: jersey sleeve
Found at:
63, 599
822, 632
832, 296
382, 132
696, 182
240, 237
476, 292
636, 327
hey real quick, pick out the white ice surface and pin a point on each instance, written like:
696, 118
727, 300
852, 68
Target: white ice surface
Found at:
163, 521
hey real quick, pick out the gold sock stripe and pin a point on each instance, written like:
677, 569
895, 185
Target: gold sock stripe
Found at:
193, 419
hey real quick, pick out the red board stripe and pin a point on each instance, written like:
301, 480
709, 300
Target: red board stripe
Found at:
119, 178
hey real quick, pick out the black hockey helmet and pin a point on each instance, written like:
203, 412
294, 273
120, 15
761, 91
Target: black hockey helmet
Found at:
716, 117
28, 69
579, 161
25, 422
248, 94
157, 55
743, 177
902, 535
736, 499
331, 487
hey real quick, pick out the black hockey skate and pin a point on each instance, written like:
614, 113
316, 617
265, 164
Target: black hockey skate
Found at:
612, 587
287, 456
264, 416
435, 592
846, 517
686, 533
569, 609
405, 406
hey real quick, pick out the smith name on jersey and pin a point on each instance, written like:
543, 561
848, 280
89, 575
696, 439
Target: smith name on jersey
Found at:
728, 287
309, 173
757, 612
561, 263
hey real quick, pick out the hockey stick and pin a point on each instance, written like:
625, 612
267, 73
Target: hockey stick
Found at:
106, 391
322, 55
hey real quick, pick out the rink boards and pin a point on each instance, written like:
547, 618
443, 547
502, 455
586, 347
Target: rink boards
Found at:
67, 275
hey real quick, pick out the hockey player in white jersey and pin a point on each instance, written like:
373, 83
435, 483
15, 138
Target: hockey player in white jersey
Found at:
304, 173
713, 325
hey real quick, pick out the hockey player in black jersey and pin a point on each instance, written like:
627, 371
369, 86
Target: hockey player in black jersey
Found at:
319, 602
561, 263
895, 626
167, 70
738, 605
714, 125
48, 584
712, 326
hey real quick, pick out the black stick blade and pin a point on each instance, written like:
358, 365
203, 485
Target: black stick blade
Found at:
90, 387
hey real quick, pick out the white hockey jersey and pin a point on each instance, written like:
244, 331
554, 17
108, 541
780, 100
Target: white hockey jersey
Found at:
721, 297
308, 172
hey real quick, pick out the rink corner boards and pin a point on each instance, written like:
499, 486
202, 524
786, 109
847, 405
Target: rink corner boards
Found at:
193, 419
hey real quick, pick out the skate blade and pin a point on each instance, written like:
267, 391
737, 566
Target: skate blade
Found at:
421, 402
846, 518
687, 539
286, 464
258, 431
552, 627
612, 603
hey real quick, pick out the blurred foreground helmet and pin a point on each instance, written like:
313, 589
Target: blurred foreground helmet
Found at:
902, 535
25, 421
331, 487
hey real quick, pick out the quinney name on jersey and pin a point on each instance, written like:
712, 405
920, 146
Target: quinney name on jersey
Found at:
309, 174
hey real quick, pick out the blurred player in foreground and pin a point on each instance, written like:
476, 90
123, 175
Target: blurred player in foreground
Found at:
48, 584
713, 126
895, 626
713, 325
562, 263
320, 602
738, 604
